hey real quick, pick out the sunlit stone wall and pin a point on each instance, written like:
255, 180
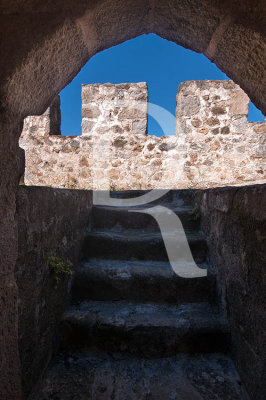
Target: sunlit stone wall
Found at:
214, 144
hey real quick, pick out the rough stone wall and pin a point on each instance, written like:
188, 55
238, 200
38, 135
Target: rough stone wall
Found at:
234, 221
214, 144
49, 221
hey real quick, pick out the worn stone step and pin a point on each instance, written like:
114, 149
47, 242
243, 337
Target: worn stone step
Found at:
121, 218
177, 196
131, 194
128, 245
146, 329
100, 376
143, 281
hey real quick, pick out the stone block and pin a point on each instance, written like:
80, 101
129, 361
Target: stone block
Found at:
90, 111
239, 103
260, 128
89, 93
187, 105
133, 111
87, 126
219, 108
139, 127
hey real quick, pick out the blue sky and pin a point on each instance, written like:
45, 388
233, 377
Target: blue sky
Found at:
148, 58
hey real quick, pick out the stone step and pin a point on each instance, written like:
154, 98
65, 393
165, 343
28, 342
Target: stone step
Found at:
99, 376
141, 281
129, 245
132, 194
177, 196
145, 329
121, 218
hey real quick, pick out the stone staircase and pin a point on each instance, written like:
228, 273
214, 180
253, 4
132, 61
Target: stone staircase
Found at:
135, 329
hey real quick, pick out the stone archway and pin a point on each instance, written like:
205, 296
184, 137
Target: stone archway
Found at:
57, 42
43, 47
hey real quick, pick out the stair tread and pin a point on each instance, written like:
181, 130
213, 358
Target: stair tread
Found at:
134, 218
118, 376
143, 281
130, 315
123, 269
136, 236
170, 206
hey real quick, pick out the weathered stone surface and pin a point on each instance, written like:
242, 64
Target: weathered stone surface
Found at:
49, 221
120, 377
119, 218
208, 121
140, 281
9, 360
239, 103
10, 165
139, 127
90, 112
145, 329
112, 107
49, 123
188, 106
143, 246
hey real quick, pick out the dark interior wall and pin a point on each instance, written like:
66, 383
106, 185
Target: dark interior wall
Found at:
50, 221
234, 221
10, 166
43, 46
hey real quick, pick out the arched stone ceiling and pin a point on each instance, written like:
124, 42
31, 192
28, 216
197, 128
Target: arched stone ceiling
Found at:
47, 43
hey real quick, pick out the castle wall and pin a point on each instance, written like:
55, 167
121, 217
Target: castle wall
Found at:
214, 144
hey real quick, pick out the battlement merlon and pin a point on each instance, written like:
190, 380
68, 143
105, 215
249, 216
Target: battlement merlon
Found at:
49, 123
207, 105
123, 107
210, 105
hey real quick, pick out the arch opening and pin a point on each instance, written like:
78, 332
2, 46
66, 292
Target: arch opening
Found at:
211, 143
162, 64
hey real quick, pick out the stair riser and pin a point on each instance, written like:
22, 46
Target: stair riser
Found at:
153, 250
144, 342
182, 197
103, 219
89, 286
131, 194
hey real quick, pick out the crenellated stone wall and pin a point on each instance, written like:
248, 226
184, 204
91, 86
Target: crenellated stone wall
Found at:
214, 144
